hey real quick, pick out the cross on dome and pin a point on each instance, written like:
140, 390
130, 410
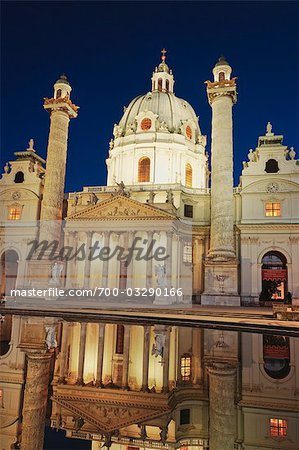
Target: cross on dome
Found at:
162, 79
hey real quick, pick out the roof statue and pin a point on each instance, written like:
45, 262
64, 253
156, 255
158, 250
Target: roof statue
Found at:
269, 129
31, 144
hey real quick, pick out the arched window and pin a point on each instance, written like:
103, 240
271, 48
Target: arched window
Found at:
189, 132
221, 76
188, 175
9, 271
19, 177
271, 166
144, 167
167, 85
160, 84
5, 334
274, 277
276, 355
58, 94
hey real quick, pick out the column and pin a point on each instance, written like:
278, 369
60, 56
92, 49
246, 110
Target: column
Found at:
223, 412
131, 235
145, 366
35, 399
83, 330
87, 264
63, 354
168, 260
126, 357
71, 273
165, 386
149, 263
106, 262
99, 381
221, 99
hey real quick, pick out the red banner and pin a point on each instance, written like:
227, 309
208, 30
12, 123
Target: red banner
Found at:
274, 351
274, 274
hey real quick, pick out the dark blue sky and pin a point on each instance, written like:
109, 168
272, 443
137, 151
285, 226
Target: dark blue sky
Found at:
109, 50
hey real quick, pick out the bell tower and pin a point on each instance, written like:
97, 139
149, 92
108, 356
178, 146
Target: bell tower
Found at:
221, 265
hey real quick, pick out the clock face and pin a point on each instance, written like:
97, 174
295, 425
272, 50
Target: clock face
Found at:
272, 187
146, 124
188, 132
16, 195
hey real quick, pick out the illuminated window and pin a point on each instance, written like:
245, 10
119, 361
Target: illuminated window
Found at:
278, 427
58, 93
221, 76
144, 167
187, 253
189, 135
14, 213
188, 211
188, 182
167, 85
160, 84
146, 124
186, 367
119, 345
273, 209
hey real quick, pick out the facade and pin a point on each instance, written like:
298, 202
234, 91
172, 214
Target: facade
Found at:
128, 386
241, 243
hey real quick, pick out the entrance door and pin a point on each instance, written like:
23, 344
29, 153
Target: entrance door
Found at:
274, 277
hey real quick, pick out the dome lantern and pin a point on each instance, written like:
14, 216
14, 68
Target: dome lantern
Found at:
162, 79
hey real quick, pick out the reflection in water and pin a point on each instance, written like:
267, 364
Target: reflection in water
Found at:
128, 386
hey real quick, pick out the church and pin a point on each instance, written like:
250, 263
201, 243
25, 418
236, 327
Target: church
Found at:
226, 245
145, 385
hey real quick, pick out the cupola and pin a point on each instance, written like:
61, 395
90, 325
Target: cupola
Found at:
162, 79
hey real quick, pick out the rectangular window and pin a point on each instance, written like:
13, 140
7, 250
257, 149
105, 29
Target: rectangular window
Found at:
186, 367
184, 416
188, 211
273, 209
14, 213
187, 253
278, 427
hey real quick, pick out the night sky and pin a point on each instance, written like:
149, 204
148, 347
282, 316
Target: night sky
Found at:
109, 50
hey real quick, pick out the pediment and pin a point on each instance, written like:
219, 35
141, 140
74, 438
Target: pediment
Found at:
121, 208
108, 415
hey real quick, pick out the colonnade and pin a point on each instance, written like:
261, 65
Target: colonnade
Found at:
105, 272
126, 357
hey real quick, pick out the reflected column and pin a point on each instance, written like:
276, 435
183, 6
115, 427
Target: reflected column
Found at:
99, 381
126, 357
145, 366
82, 342
35, 399
222, 396
63, 354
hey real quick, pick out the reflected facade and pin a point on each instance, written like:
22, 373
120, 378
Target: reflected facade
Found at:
137, 385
